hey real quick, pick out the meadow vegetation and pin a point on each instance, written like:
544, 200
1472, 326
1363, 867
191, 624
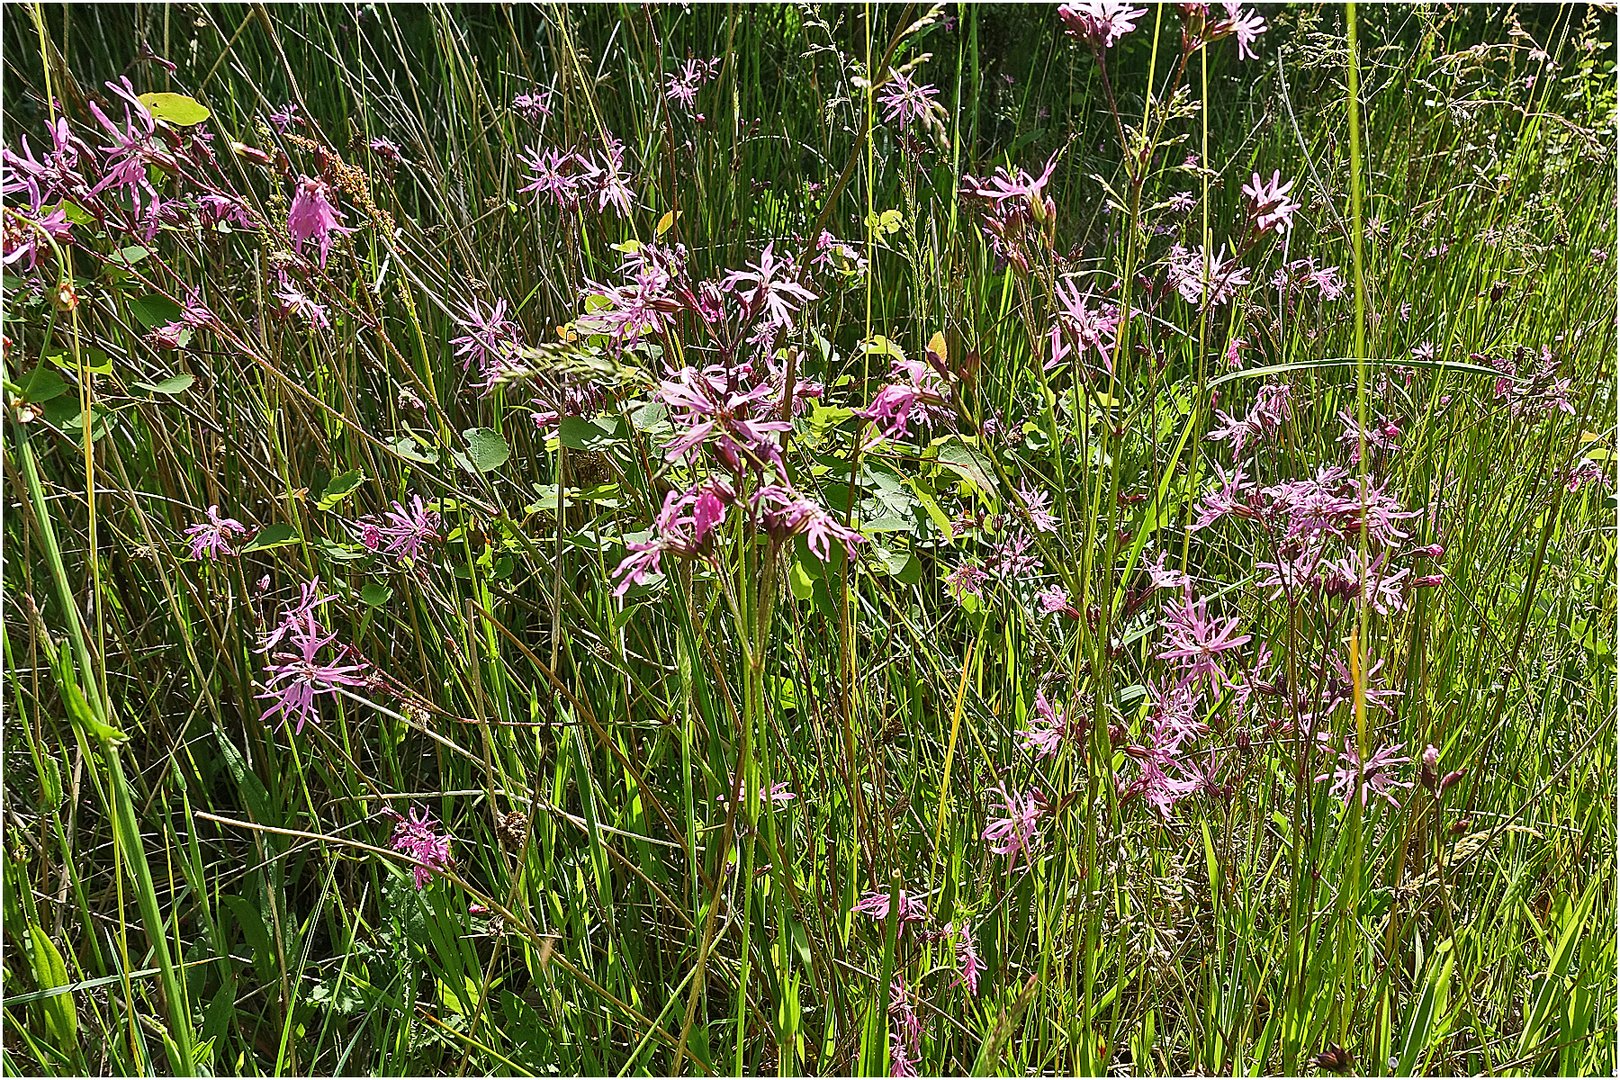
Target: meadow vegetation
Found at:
809, 539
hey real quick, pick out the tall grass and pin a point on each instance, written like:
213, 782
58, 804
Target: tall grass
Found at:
191, 888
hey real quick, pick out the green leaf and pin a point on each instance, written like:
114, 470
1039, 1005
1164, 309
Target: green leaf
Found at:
154, 310
376, 595
340, 487
407, 447
176, 109
61, 1018
967, 462
800, 583
878, 345
577, 433
273, 536
487, 449
172, 386
44, 384
1420, 1026
79, 711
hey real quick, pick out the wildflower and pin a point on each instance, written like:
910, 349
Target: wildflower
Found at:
1047, 731
1162, 577
717, 407
967, 959
681, 87
298, 676
420, 837
291, 301
551, 174
766, 286
787, 513
905, 1036
295, 617
1351, 776
1245, 25
833, 253
682, 527
1228, 498
876, 905
776, 795
385, 151
24, 236
1153, 784
966, 580
603, 176
906, 101
212, 538
488, 338
1100, 23
1382, 435
1054, 599
1037, 503
1423, 352
533, 105
1269, 204
1011, 558
227, 210
404, 531
1205, 276
313, 217
285, 117
1194, 642
1090, 328
1587, 471
1013, 833
916, 387
1270, 410
134, 147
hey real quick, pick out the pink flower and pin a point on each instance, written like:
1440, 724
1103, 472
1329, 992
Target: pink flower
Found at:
1092, 329
1587, 471
916, 387
770, 286
967, 958
1194, 642
313, 218
786, 513
1012, 834
776, 795
876, 905
291, 301
1099, 23
1048, 729
404, 531
681, 87
551, 174
732, 410
1245, 25
420, 837
1269, 204
966, 580
533, 105
905, 101
1351, 776
212, 538
488, 340
134, 146
1054, 599
297, 676
1205, 276
682, 526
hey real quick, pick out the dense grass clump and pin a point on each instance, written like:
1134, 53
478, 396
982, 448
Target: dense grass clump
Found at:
809, 539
